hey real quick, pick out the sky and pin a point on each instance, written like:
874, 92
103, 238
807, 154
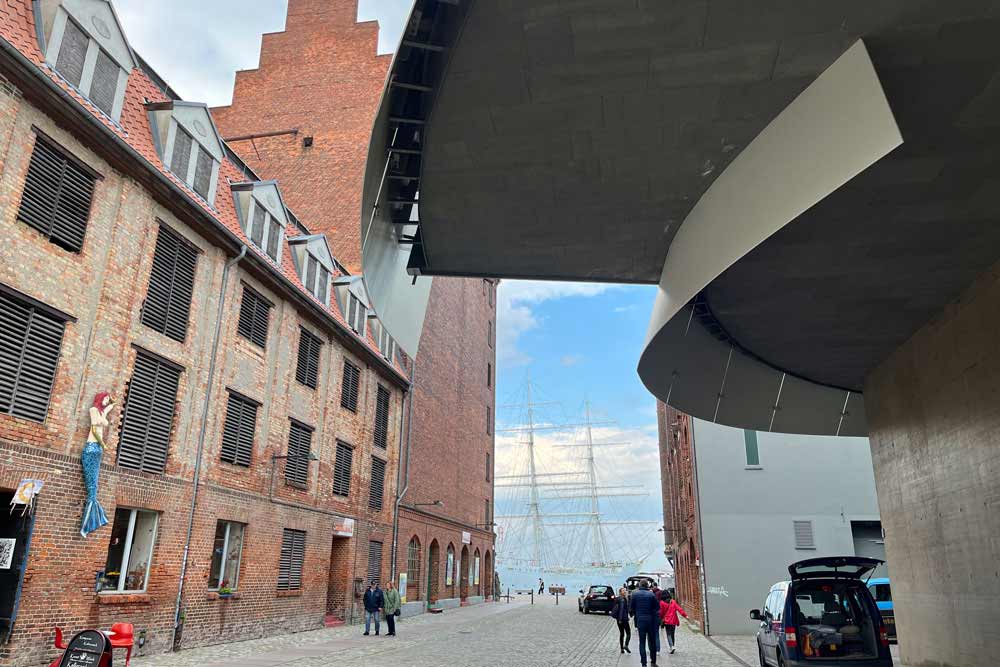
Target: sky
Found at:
578, 341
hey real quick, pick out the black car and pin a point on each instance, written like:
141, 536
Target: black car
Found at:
824, 616
597, 598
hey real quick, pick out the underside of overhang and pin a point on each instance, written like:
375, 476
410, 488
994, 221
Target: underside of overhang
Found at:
574, 140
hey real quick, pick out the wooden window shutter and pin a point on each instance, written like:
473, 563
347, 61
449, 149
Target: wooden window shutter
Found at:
30, 341
171, 285
180, 161
293, 553
307, 366
203, 173
342, 469
238, 430
381, 417
350, 386
273, 237
57, 196
148, 415
374, 561
255, 313
299, 446
104, 87
72, 53
257, 224
376, 491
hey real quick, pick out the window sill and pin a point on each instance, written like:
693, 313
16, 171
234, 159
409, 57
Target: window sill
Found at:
753, 467
215, 595
123, 598
289, 594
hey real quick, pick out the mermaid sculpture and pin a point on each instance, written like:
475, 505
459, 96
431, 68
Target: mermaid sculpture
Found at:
93, 514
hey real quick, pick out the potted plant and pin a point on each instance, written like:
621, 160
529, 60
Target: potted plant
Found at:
225, 592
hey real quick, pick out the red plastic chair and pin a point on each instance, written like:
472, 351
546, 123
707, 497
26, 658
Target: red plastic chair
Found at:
121, 637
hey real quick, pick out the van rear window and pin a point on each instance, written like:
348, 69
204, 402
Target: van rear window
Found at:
834, 621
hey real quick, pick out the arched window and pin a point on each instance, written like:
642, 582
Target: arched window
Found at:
449, 572
413, 570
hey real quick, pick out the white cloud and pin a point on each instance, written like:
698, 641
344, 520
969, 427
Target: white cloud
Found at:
517, 317
570, 360
624, 309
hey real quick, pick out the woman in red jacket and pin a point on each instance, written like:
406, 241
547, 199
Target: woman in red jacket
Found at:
668, 612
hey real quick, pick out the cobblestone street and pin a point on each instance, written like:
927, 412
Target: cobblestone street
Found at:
517, 634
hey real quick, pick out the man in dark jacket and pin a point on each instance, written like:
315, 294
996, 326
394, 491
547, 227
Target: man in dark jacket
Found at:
374, 601
644, 606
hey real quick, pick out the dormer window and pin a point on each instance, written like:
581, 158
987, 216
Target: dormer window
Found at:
353, 301
262, 214
356, 315
386, 345
86, 46
314, 263
188, 144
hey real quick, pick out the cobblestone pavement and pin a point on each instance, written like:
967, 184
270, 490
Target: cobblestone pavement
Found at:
745, 647
517, 634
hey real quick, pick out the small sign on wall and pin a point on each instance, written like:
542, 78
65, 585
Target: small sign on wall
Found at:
402, 587
343, 526
7, 545
466, 537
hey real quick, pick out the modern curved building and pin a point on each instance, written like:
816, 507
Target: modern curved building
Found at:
812, 185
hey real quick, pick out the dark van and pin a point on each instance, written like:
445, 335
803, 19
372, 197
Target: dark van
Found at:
824, 615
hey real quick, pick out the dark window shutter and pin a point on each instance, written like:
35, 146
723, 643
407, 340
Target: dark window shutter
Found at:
273, 236
342, 470
171, 284
57, 196
30, 341
381, 417
148, 414
377, 489
297, 463
257, 224
72, 53
293, 553
374, 561
180, 161
349, 387
105, 83
321, 287
203, 173
238, 430
255, 312
311, 273
307, 366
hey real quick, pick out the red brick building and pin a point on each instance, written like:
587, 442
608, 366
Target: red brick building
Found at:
680, 517
250, 468
304, 117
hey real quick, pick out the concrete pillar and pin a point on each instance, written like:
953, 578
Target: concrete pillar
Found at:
934, 412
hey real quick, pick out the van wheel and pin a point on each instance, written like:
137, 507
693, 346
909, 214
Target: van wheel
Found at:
781, 661
760, 654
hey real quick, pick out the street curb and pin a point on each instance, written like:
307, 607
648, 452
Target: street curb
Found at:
727, 651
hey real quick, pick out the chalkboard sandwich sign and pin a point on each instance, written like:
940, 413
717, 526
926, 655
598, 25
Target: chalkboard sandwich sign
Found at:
89, 648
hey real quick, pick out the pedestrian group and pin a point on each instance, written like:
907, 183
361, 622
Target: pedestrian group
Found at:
650, 609
378, 602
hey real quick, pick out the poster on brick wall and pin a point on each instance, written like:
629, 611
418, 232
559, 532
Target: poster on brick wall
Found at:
448, 579
7, 552
402, 587
475, 572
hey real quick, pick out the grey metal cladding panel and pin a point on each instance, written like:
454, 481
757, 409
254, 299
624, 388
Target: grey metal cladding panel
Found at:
750, 392
856, 420
806, 407
695, 367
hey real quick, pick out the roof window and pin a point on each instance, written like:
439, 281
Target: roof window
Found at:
262, 215
188, 143
314, 263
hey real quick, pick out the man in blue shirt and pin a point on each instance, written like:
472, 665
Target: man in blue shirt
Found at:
374, 601
644, 606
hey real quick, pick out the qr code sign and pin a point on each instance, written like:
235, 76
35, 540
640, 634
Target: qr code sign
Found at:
6, 552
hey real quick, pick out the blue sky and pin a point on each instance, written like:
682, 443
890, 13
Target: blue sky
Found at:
578, 340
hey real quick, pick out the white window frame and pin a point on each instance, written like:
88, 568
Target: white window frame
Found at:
225, 550
314, 288
268, 217
188, 178
89, 62
127, 552
360, 314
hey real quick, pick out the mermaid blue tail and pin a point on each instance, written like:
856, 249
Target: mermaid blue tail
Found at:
93, 514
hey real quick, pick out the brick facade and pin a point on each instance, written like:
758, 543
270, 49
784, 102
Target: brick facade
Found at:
323, 54
680, 513
103, 288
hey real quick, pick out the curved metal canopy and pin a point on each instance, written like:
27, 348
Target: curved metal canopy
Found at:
577, 140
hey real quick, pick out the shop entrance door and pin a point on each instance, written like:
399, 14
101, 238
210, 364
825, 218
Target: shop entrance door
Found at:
15, 538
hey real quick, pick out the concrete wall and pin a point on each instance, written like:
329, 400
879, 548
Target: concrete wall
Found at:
747, 512
934, 410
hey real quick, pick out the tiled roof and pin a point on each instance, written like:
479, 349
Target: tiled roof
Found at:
17, 27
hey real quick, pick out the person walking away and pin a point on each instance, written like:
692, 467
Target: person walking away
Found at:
644, 606
541, 586
391, 606
620, 613
670, 621
374, 600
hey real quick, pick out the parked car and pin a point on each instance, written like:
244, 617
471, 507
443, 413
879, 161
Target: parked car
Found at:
632, 583
597, 598
882, 592
825, 615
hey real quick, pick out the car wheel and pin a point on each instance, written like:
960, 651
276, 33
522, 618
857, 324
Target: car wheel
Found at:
586, 608
760, 654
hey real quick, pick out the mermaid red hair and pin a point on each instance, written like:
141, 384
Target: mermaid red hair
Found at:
99, 399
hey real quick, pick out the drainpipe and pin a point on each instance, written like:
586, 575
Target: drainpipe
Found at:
201, 438
399, 473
